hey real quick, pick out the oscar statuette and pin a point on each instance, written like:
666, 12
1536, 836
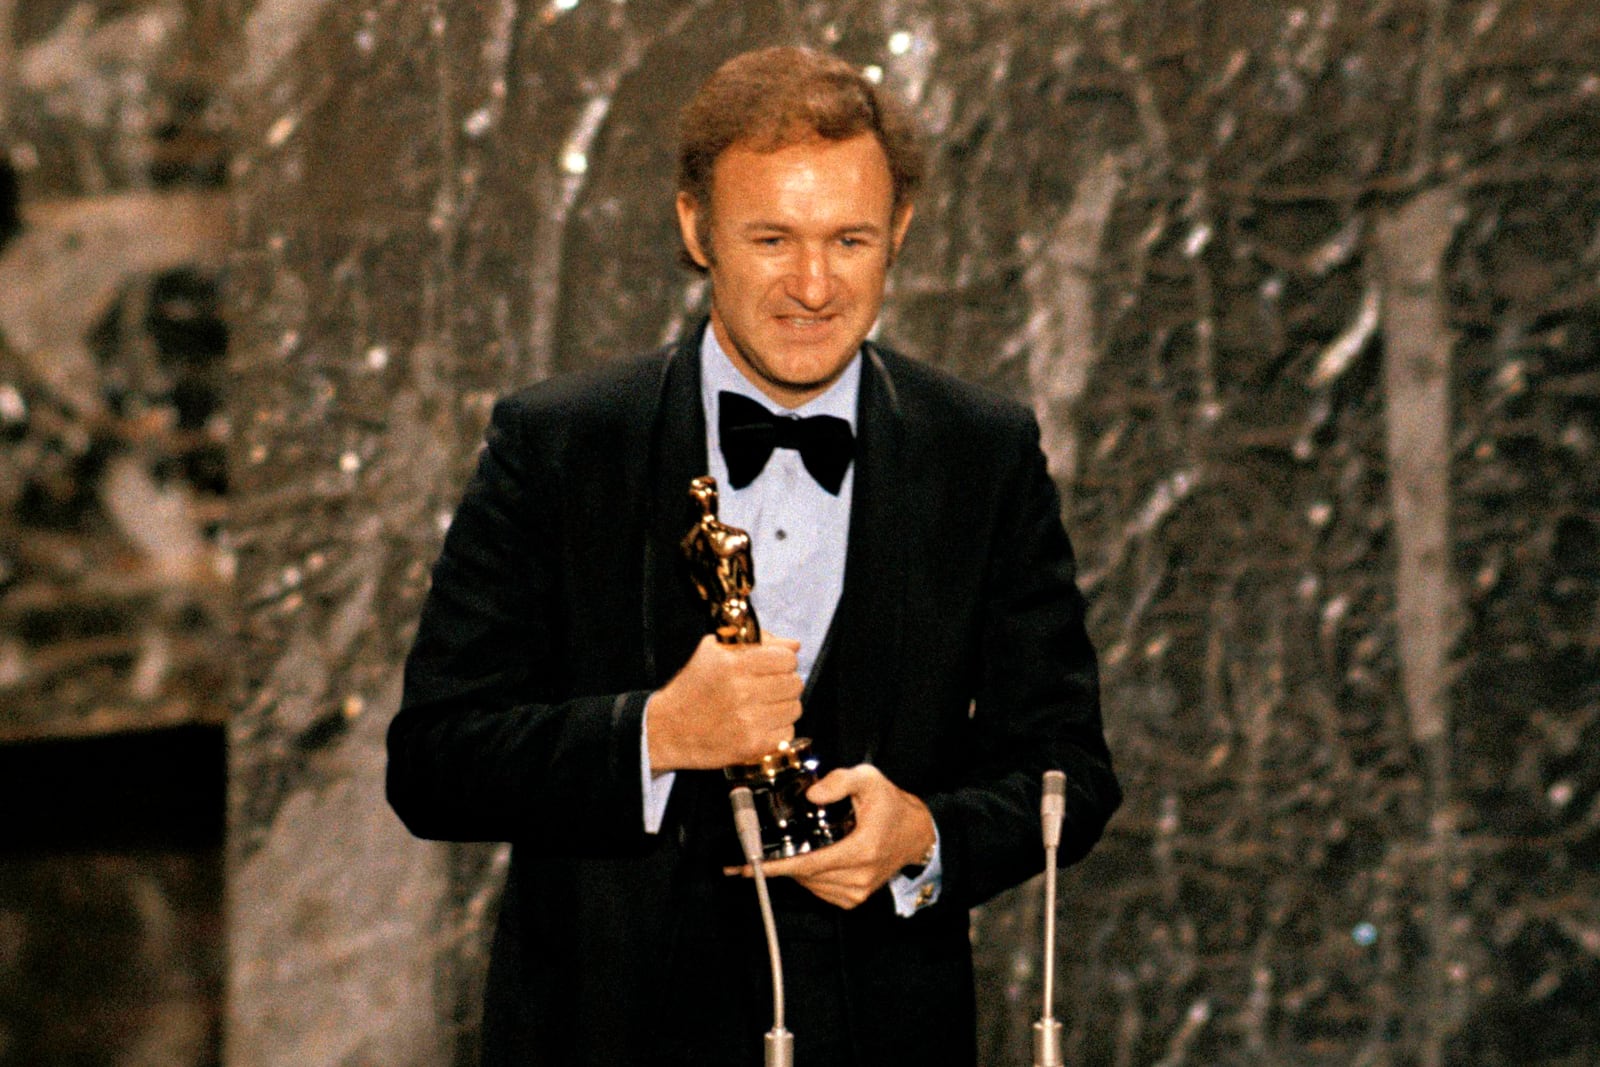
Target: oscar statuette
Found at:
723, 572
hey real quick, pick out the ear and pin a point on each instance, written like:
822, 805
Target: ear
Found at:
688, 227
898, 227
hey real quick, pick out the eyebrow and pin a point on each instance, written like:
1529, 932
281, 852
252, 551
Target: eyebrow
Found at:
781, 227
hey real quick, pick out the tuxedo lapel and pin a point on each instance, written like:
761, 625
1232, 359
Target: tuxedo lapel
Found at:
864, 645
674, 617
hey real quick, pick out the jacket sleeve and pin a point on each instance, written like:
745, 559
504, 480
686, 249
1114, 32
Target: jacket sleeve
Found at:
1037, 703
486, 746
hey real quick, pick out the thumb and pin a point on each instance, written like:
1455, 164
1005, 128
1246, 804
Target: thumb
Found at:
836, 785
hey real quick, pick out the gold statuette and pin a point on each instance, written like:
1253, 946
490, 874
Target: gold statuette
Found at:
723, 572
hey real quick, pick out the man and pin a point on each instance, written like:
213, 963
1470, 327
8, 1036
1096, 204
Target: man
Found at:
563, 694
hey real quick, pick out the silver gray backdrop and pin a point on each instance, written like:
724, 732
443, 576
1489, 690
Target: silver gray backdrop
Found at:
1305, 298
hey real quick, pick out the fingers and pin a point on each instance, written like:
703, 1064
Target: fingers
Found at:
729, 703
839, 874
753, 661
853, 854
753, 676
892, 827
770, 701
758, 745
775, 688
841, 894
775, 657
805, 865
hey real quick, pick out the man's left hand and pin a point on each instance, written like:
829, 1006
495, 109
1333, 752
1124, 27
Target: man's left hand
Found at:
893, 830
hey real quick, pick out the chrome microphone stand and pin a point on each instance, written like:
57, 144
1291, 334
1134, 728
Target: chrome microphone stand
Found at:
779, 1041
1052, 808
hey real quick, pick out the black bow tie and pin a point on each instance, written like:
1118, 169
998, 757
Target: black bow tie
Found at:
750, 432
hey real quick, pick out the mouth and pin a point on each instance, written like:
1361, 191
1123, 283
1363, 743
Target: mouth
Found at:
806, 323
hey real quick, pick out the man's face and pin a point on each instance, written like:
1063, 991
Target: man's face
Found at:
800, 242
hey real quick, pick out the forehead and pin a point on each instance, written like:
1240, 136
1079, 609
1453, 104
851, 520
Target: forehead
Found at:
811, 175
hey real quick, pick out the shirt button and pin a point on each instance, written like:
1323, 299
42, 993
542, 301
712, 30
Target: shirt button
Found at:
780, 535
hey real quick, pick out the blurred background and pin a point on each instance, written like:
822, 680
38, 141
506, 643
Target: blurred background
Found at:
1307, 299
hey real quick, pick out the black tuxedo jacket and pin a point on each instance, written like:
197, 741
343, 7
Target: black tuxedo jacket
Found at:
957, 663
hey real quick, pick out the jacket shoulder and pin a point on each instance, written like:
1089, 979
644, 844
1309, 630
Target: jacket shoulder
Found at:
614, 394
951, 406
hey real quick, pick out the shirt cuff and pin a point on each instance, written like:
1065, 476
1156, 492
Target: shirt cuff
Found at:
911, 895
656, 787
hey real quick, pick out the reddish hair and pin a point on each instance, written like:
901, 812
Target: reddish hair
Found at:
775, 97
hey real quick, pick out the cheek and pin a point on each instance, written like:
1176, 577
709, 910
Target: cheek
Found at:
867, 279
746, 278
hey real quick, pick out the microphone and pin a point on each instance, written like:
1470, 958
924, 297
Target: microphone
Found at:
779, 1042
1052, 809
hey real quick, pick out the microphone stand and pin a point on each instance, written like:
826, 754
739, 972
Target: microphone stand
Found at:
779, 1042
1052, 808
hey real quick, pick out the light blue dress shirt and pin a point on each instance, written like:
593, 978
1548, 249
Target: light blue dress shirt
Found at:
799, 535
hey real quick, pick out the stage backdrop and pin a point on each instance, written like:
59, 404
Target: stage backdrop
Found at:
1305, 297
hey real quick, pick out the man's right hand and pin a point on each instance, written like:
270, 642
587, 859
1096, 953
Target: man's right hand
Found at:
729, 704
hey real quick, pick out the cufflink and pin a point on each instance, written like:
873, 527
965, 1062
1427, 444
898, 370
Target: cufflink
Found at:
913, 871
924, 897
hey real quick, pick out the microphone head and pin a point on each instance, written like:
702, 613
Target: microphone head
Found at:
1054, 799
1053, 807
746, 822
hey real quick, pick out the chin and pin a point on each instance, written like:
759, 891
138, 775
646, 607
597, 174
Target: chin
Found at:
811, 374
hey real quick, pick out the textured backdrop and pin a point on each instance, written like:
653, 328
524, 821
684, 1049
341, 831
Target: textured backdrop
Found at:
1305, 297
115, 604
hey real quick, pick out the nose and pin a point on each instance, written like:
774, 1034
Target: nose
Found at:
810, 283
